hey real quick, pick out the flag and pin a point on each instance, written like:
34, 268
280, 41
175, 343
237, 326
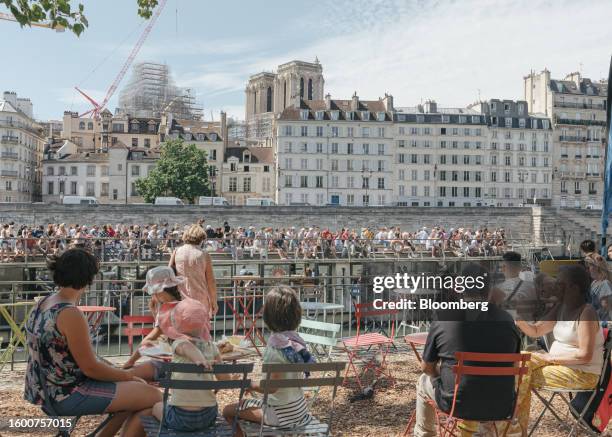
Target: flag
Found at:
607, 197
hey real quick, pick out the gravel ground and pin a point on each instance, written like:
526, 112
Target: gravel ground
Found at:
383, 415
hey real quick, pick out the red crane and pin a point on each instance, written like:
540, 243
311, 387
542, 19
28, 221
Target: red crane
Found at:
99, 107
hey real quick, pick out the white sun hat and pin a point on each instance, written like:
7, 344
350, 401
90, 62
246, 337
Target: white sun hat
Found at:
161, 277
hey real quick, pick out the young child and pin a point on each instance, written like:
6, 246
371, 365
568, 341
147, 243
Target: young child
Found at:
162, 285
187, 324
282, 314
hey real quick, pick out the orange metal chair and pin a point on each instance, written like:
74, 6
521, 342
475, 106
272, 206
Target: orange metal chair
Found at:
447, 422
140, 331
359, 348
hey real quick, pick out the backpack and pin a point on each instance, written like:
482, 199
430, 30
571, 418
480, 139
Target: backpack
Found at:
599, 411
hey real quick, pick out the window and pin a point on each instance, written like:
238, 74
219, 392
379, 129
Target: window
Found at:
414, 191
350, 199
319, 147
426, 191
303, 148
365, 182
81, 125
349, 132
454, 192
508, 160
304, 164
147, 142
334, 165
319, 131
365, 132
288, 181
90, 126
454, 159
442, 191
426, 159
466, 176
334, 131
91, 170
381, 149
381, 165
466, 191
73, 171
349, 149
62, 171
349, 164
246, 185
401, 175
318, 164
133, 190
381, 132
304, 131
50, 171
90, 189
288, 131
73, 188
135, 170
466, 159
304, 181
365, 200
134, 142
426, 175
366, 148
454, 176
507, 176
350, 182
50, 188
334, 181
233, 184
319, 181
493, 176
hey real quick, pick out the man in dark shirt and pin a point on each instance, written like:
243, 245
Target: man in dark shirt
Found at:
479, 398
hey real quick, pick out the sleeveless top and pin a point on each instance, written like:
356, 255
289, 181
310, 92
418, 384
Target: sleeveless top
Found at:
49, 353
191, 262
566, 340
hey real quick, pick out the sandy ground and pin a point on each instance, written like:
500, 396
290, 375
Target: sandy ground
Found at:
384, 415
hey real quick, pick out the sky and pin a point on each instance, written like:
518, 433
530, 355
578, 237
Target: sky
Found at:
452, 51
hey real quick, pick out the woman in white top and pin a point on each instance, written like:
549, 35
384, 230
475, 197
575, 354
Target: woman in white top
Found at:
575, 358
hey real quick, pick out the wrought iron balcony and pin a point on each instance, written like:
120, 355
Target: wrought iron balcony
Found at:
9, 155
9, 173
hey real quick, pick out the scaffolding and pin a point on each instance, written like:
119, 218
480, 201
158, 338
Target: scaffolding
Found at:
151, 91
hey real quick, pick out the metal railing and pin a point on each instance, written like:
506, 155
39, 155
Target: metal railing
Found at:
10, 155
9, 173
336, 286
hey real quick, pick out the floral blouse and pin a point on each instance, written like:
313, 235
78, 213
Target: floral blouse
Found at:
48, 351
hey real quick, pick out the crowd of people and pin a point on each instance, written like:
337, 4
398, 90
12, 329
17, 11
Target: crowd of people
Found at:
150, 242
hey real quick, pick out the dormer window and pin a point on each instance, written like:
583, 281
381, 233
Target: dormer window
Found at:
304, 114
350, 115
462, 119
365, 115
213, 136
334, 115
319, 115
475, 119
445, 118
201, 137
420, 118
380, 116
246, 157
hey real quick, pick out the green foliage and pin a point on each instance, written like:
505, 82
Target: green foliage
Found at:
181, 171
61, 13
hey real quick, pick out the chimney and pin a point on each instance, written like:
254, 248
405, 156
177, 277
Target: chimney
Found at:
388, 101
11, 97
224, 131
328, 101
355, 102
431, 107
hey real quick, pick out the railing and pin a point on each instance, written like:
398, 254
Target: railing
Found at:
569, 121
19, 125
9, 155
572, 139
9, 173
9, 140
579, 105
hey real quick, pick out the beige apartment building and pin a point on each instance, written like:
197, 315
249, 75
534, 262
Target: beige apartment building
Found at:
21, 147
577, 108
337, 152
99, 135
109, 176
247, 172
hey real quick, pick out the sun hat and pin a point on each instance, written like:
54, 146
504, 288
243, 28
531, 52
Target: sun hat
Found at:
160, 278
187, 318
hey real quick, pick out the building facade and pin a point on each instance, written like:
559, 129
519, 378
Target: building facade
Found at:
21, 147
247, 172
110, 176
99, 135
577, 108
337, 152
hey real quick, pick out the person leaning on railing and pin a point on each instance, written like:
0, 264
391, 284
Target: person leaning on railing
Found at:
63, 370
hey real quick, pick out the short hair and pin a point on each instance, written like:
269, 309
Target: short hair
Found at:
577, 275
75, 268
512, 256
194, 235
282, 310
587, 246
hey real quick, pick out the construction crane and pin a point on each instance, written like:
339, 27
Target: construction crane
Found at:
56, 27
99, 107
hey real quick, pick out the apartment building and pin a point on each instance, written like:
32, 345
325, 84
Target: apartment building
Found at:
439, 156
109, 176
518, 154
21, 147
247, 172
577, 108
99, 135
337, 152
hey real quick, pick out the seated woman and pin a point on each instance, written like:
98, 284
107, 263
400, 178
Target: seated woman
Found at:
601, 287
63, 371
576, 355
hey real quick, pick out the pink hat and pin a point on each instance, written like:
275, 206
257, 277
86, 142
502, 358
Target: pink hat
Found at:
187, 318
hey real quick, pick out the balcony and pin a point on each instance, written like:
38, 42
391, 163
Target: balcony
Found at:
19, 125
592, 192
581, 122
572, 139
8, 173
6, 139
577, 191
577, 156
9, 155
579, 105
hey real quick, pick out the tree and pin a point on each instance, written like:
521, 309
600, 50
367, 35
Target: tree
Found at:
181, 171
64, 13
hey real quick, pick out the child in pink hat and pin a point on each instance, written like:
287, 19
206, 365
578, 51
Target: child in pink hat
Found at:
186, 324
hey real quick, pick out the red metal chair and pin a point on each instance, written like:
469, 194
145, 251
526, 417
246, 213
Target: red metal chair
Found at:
447, 422
359, 348
132, 331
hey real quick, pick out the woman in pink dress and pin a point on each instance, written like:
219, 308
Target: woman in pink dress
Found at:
195, 265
